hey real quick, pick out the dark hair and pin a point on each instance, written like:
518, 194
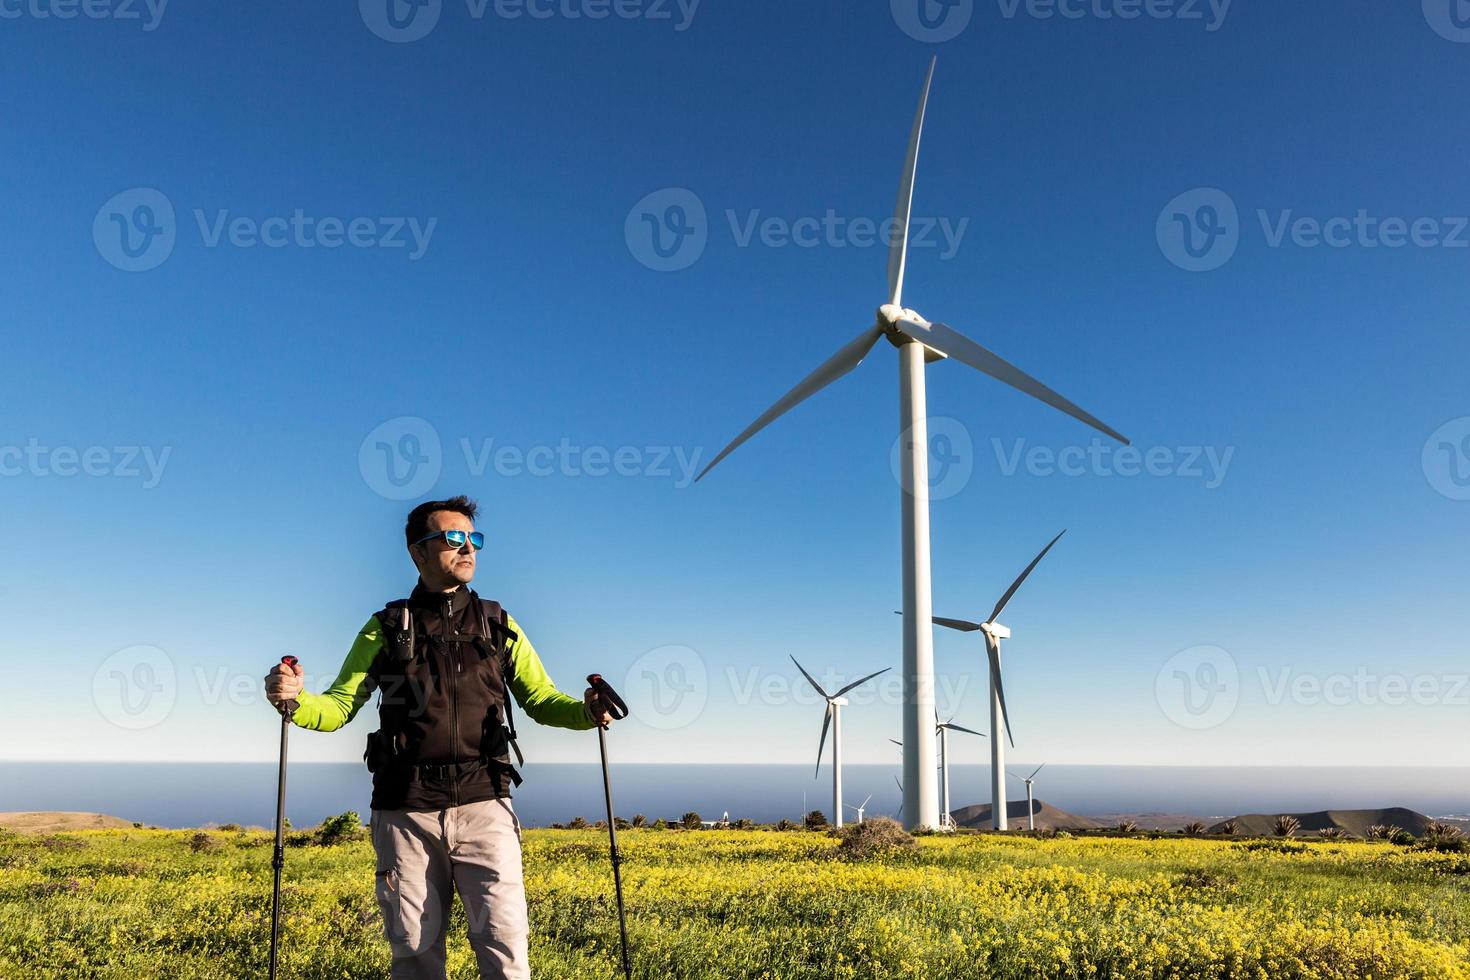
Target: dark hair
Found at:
418, 518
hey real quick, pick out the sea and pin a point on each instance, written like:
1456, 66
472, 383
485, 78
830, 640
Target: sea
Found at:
203, 794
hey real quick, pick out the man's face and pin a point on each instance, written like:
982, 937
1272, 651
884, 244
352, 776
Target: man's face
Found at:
440, 564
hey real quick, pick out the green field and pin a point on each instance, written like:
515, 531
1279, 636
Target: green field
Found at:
738, 904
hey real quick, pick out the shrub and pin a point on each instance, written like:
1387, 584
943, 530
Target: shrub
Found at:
1194, 828
1286, 825
203, 843
660, 824
744, 823
639, 820
1332, 833
874, 837
1384, 831
1403, 838
340, 829
1438, 830
232, 827
691, 821
1126, 826
816, 820
577, 823
784, 825
1229, 828
62, 843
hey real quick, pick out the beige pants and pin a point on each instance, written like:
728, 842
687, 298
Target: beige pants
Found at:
423, 856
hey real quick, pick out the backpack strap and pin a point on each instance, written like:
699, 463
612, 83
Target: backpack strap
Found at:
398, 632
495, 625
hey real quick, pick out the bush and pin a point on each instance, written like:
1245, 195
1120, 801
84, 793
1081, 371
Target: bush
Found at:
784, 825
660, 824
1286, 825
1384, 832
577, 823
1126, 826
1194, 828
639, 820
203, 843
1229, 827
1332, 833
744, 823
874, 837
232, 827
816, 820
340, 829
691, 821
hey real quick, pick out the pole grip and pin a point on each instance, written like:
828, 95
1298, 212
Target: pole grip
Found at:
617, 707
288, 708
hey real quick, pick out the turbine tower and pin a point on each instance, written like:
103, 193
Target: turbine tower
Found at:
999, 719
944, 728
833, 717
917, 340
1030, 805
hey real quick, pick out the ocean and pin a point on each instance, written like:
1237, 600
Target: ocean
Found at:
197, 794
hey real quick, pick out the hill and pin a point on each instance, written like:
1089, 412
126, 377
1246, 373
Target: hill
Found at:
51, 821
1355, 822
977, 815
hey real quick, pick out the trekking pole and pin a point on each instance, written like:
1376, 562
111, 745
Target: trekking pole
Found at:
278, 858
618, 710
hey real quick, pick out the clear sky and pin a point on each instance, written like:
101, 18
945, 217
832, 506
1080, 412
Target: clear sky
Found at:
256, 253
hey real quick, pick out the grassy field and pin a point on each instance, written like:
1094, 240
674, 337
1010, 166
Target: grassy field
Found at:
140, 904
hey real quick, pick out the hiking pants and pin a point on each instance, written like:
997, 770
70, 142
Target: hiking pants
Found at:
423, 857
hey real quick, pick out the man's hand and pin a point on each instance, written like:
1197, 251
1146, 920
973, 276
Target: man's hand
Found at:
597, 708
284, 683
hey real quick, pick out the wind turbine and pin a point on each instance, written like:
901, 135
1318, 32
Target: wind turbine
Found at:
860, 808
1030, 806
833, 717
918, 340
994, 633
944, 728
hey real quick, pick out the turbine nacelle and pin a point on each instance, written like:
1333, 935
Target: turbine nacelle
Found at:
996, 631
889, 315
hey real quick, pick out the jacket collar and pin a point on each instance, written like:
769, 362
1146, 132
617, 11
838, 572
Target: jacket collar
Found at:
422, 597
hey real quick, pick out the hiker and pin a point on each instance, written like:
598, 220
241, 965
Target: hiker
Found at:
445, 663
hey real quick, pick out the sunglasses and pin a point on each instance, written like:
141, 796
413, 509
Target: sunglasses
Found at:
457, 539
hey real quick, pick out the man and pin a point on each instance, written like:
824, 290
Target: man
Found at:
443, 661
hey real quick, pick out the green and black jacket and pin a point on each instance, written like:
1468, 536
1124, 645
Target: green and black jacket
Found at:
442, 739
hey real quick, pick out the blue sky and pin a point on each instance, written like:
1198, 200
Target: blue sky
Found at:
192, 482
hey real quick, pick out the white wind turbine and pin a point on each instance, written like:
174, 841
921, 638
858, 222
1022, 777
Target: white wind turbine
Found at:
944, 728
833, 717
994, 633
860, 808
918, 340
1030, 804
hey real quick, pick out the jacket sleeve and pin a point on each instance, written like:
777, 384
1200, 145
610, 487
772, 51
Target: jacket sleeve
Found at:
339, 704
535, 692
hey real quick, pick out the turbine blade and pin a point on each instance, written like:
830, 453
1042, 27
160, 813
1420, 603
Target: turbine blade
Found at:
1015, 775
896, 742
949, 341
1038, 769
963, 625
898, 242
1000, 688
961, 728
826, 720
862, 680
864, 804
1000, 606
810, 679
831, 369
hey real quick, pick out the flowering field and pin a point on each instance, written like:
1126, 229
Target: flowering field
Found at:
741, 904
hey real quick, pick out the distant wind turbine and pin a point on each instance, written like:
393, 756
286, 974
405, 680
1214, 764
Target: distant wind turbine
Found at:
833, 717
860, 808
944, 728
1030, 806
999, 719
918, 340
